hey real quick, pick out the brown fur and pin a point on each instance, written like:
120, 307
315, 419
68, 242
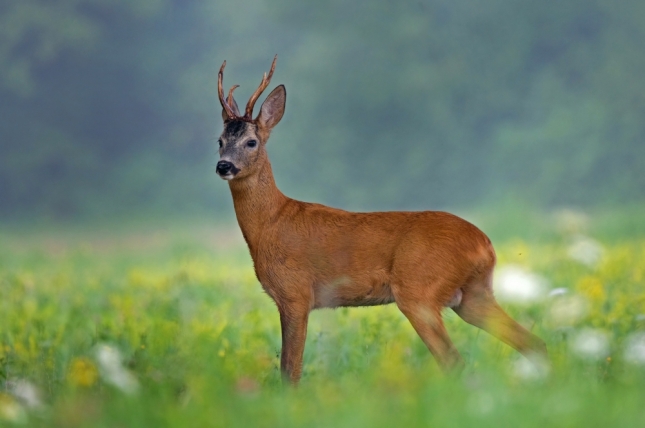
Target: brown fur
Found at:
309, 256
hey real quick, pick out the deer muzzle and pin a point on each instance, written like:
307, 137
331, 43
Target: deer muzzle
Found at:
226, 169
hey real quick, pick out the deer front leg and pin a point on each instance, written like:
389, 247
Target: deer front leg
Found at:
293, 321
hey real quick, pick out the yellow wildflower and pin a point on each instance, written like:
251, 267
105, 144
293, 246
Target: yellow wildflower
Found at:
10, 409
83, 372
592, 288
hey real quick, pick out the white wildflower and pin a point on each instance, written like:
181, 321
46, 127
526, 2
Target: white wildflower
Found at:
514, 284
591, 344
585, 250
558, 292
26, 392
635, 348
534, 368
567, 310
112, 370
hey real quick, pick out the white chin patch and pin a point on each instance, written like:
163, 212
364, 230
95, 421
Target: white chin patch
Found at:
227, 177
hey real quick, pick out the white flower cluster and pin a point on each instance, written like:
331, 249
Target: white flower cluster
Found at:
515, 284
23, 396
112, 370
585, 250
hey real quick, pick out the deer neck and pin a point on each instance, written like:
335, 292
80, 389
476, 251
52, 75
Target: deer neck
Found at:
257, 201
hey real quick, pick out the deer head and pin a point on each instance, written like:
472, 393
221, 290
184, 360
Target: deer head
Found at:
241, 145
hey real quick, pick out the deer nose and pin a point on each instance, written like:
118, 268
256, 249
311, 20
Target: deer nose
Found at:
224, 167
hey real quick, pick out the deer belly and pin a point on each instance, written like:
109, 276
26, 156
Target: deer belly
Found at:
347, 292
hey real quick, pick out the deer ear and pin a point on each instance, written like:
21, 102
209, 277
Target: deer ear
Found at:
272, 108
233, 105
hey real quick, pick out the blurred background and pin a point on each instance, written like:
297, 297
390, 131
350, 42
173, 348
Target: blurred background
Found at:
109, 109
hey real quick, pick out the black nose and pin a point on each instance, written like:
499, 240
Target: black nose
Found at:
224, 167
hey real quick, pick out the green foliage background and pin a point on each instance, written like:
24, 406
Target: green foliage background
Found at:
195, 332
108, 111
109, 108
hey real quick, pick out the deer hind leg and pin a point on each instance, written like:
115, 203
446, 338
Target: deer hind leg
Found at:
425, 317
479, 308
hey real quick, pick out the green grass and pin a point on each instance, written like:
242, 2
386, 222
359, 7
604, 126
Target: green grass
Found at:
201, 340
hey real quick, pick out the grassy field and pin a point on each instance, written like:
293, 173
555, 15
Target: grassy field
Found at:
172, 329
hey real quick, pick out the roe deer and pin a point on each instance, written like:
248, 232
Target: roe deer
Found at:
309, 256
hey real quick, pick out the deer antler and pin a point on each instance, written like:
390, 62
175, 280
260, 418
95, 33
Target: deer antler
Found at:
226, 103
220, 91
230, 94
263, 85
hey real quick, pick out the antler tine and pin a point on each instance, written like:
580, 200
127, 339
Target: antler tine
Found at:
248, 114
220, 92
230, 94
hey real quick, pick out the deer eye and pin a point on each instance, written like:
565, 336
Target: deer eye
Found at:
220, 143
251, 143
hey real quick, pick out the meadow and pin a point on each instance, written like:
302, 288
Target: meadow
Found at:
170, 328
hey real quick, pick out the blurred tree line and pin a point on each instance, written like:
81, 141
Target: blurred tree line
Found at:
109, 107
